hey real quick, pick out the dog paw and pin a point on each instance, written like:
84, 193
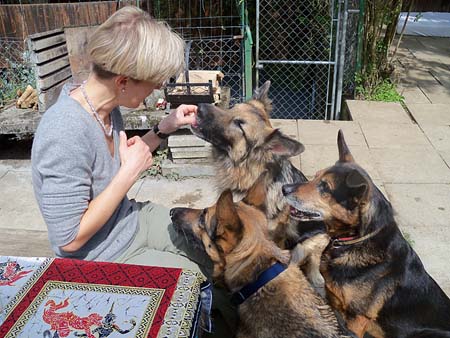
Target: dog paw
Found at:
315, 278
298, 255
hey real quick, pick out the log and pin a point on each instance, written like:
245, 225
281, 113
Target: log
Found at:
30, 101
28, 91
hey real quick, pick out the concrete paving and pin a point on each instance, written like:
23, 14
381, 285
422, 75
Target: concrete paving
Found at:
406, 152
423, 69
409, 161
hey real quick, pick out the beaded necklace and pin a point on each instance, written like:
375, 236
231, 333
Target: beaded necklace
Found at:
94, 112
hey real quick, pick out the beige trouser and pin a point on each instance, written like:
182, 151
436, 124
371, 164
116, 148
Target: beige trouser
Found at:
157, 243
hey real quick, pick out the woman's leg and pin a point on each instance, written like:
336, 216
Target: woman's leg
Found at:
156, 232
157, 243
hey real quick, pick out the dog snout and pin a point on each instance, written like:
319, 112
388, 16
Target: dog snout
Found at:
176, 213
290, 188
202, 110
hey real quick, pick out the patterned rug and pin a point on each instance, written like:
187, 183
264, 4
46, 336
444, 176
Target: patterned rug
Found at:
52, 297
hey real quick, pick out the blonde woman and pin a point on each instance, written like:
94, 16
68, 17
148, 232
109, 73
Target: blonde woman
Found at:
83, 164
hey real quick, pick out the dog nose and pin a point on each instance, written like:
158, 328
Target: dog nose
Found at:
176, 212
173, 212
205, 109
202, 108
289, 188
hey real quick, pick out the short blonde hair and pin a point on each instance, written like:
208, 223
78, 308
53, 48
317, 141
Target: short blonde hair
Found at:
133, 44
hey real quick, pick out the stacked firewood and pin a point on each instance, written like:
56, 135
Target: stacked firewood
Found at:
27, 98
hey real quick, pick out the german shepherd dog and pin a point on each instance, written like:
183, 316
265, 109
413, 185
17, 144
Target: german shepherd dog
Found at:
372, 275
244, 146
235, 237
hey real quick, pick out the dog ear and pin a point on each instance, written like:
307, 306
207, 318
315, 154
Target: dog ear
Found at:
283, 145
262, 94
226, 212
344, 152
357, 183
256, 195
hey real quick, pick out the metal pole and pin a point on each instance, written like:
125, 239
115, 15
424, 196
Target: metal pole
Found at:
341, 62
297, 62
336, 56
329, 58
362, 4
257, 44
186, 70
248, 43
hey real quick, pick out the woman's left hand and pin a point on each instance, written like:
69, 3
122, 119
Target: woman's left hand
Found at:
183, 115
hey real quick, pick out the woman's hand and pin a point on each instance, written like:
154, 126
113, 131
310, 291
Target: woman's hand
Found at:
135, 155
183, 115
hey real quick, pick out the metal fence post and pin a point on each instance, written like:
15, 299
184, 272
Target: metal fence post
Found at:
248, 43
360, 36
257, 66
336, 57
341, 62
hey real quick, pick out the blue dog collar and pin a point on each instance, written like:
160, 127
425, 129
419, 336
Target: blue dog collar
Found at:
265, 277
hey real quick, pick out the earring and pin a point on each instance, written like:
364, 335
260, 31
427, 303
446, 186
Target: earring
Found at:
123, 90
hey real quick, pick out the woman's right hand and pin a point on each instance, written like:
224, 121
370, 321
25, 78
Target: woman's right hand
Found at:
135, 155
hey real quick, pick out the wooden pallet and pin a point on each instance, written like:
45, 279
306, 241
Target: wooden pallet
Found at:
50, 59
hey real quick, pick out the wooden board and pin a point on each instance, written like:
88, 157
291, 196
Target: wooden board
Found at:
48, 39
18, 121
25, 121
20, 20
49, 96
77, 39
51, 64
54, 79
49, 55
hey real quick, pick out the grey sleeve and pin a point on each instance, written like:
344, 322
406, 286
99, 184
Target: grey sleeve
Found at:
64, 162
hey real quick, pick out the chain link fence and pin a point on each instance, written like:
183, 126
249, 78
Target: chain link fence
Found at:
215, 29
297, 50
16, 71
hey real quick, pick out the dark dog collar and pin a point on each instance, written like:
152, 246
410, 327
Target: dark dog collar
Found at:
265, 277
343, 241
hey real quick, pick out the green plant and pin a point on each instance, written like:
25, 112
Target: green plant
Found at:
156, 168
380, 24
17, 75
382, 91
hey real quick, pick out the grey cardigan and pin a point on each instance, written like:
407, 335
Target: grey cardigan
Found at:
71, 165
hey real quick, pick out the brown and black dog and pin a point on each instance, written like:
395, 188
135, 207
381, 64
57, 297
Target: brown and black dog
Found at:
244, 146
372, 275
235, 236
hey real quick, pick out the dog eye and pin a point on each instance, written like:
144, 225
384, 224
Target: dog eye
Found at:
324, 186
239, 122
201, 219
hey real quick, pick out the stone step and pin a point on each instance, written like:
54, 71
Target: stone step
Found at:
186, 140
379, 112
201, 160
187, 169
191, 152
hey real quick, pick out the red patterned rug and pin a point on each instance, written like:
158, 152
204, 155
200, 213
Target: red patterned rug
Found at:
70, 298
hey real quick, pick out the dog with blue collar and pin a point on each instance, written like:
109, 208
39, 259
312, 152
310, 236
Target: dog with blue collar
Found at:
274, 298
